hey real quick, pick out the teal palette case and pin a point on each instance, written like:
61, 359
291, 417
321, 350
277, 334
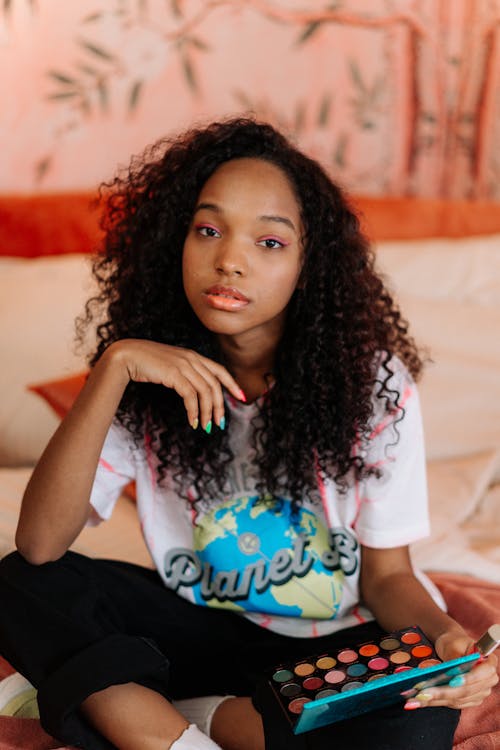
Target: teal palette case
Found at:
344, 683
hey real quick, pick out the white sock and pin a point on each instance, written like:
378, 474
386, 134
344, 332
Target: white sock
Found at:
200, 711
193, 739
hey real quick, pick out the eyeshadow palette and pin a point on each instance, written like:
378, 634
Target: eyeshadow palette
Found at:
345, 682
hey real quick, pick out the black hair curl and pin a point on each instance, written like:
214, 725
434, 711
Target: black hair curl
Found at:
341, 326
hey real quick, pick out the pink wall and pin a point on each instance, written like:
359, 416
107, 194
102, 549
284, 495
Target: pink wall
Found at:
398, 97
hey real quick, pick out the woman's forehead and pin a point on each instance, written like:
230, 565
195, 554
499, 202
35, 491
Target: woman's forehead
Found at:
254, 183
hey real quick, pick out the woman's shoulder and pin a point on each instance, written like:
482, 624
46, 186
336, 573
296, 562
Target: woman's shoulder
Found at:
394, 390
119, 438
391, 371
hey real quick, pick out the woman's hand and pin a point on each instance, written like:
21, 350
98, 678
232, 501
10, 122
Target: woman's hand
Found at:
469, 689
197, 379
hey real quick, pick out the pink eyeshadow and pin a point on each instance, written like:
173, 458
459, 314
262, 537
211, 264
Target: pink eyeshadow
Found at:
378, 663
334, 676
347, 656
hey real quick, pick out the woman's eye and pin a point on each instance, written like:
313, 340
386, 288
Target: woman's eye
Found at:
271, 243
207, 231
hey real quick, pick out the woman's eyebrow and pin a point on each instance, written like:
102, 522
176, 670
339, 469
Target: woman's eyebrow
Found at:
218, 210
209, 206
280, 220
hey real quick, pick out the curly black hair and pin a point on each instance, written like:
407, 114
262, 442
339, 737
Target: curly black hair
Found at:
342, 328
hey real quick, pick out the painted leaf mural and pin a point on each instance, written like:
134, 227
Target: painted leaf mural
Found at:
394, 98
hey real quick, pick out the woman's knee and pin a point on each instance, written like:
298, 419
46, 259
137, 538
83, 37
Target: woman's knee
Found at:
14, 565
17, 573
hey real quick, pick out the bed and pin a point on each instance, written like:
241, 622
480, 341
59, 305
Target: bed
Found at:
442, 261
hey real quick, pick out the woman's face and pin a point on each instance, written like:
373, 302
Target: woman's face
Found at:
243, 252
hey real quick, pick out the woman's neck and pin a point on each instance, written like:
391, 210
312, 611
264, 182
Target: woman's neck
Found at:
251, 367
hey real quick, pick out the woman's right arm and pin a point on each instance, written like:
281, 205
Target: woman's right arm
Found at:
56, 504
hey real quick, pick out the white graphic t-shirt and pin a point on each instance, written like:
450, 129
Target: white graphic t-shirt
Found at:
296, 574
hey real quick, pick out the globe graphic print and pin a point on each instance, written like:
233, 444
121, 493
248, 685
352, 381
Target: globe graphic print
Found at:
263, 558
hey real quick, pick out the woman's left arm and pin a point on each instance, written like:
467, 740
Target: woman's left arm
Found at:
391, 591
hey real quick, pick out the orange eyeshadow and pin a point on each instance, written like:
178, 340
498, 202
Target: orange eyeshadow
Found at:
410, 638
304, 669
421, 651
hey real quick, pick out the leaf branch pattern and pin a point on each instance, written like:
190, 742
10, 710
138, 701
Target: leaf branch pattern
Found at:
90, 84
331, 13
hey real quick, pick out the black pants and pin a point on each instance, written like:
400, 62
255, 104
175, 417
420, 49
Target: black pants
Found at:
76, 626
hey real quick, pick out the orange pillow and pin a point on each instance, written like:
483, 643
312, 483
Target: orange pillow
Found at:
60, 395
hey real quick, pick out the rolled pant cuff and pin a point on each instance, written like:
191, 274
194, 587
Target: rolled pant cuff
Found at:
114, 660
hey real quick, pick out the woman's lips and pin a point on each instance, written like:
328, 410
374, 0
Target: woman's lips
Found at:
226, 298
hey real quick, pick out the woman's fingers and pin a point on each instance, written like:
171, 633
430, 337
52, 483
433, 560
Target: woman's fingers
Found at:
202, 389
187, 391
471, 690
223, 376
197, 379
211, 400
453, 701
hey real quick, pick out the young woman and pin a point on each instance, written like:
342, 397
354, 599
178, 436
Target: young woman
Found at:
256, 379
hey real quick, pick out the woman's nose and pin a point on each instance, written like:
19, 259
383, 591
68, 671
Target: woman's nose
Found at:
231, 259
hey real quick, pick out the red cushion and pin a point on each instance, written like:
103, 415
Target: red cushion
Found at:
33, 225
60, 394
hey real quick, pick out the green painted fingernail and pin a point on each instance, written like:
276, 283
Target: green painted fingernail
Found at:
222, 423
457, 681
208, 428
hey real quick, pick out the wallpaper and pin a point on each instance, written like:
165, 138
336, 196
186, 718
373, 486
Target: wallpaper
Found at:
398, 97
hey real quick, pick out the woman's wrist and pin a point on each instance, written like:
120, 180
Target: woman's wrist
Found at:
114, 361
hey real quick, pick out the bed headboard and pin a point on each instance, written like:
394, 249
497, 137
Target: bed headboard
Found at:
56, 224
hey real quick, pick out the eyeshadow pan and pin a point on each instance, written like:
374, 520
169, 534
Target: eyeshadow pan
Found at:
357, 670
334, 676
400, 657
312, 683
350, 686
304, 669
379, 662
401, 669
390, 644
290, 689
369, 649
326, 662
297, 705
428, 663
421, 651
326, 693
347, 656
411, 638
282, 675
